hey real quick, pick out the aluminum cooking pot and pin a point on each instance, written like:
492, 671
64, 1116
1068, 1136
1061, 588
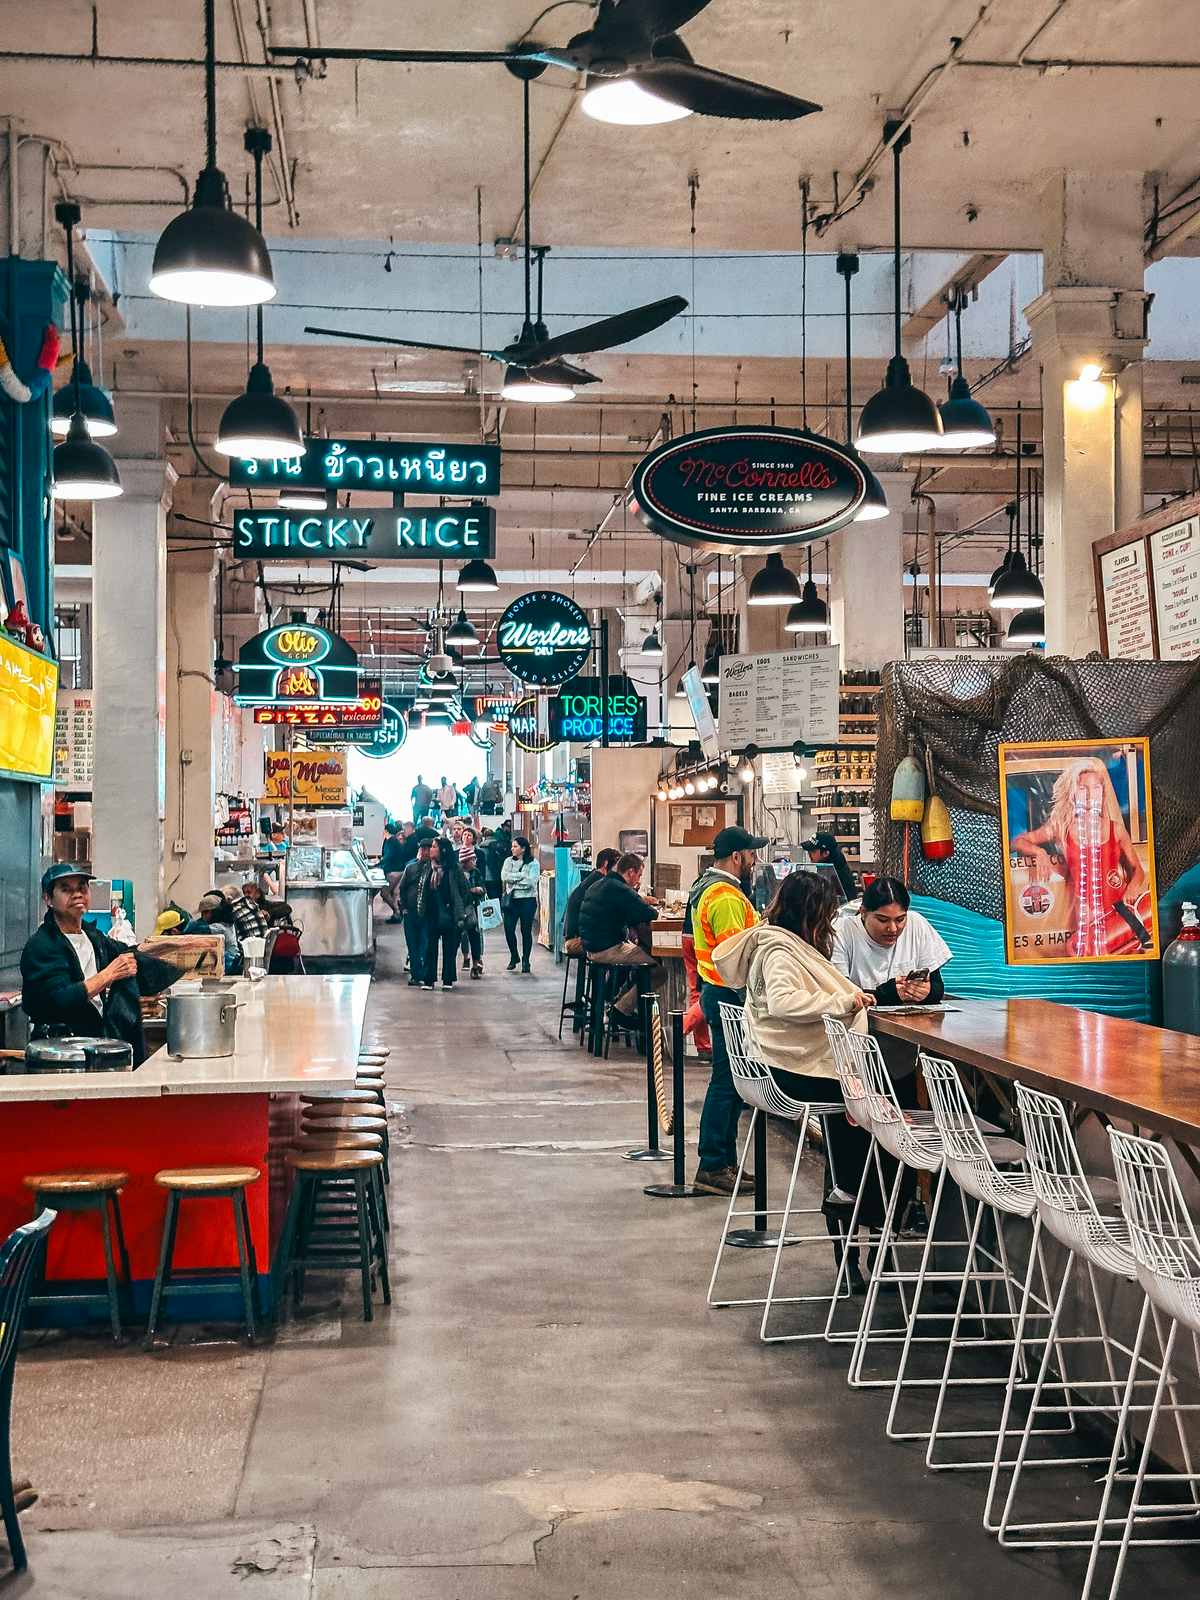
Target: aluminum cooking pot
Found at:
108, 1055
56, 1055
200, 1024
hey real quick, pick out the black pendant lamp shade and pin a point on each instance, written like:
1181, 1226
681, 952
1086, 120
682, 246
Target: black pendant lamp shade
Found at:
477, 577
874, 505
258, 425
966, 424
210, 256
809, 615
1028, 627
900, 416
710, 672
999, 573
462, 632
1018, 588
773, 584
652, 648
83, 469
92, 401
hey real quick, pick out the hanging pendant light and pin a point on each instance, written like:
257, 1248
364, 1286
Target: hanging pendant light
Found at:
710, 672
461, 632
477, 577
302, 500
900, 417
773, 584
874, 503
1017, 588
626, 102
81, 469
652, 646
523, 386
966, 424
1028, 627
81, 391
258, 425
810, 614
208, 255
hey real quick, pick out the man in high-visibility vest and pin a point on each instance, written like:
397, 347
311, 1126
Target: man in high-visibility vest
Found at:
718, 907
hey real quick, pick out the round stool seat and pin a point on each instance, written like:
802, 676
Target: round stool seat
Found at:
345, 1108
364, 1071
315, 1140
383, 1051
346, 1125
75, 1182
334, 1160
326, 1095
200, 1178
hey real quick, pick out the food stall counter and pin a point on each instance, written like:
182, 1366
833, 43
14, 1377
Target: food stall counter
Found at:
330, 890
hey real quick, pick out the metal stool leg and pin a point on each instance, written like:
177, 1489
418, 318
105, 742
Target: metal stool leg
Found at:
162, 1277
110, 1269
364, 1243
122, 1251
241, 1228
733, 1198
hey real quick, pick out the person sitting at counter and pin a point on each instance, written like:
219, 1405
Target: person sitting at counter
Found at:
606, 862
889, 950
216, 911
249, 912
74, 977
614, 925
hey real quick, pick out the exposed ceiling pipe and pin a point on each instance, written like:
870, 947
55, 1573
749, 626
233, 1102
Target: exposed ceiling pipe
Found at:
70, 58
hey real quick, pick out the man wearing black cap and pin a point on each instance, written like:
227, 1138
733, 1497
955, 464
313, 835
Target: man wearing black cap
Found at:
74, 977
718, 907
824, 850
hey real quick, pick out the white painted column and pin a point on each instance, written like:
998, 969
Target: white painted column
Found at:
866, 608
1093, 310
193, 725
129, 587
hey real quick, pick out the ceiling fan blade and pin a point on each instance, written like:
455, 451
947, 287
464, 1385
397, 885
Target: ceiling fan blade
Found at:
609, 331
715, 94
555, 371
667, 16
408, 344
352, 53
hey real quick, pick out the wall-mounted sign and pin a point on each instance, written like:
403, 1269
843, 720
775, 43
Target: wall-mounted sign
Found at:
443, 532
28, 691
544, 638
748, 488
297, 663
1176, 556
74, 739
776, 699
387, 738
493, 709
1125, 580
702, 713
307, 778
1147, 579
528, 725
577, 710
378, 464
367, 712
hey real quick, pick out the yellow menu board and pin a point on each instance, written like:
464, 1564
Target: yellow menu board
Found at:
28, 690
308, 777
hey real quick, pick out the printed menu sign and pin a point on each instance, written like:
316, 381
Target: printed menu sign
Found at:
776, 699
1125, 583
74, 744
1176, 556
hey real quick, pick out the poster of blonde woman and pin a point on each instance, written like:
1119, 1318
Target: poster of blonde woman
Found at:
1078, 836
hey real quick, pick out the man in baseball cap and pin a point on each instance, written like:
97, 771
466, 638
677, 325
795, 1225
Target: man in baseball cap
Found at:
719, 906
73, 976
824, 850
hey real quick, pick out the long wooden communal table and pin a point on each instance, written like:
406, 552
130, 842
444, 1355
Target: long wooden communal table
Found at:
1146, 1076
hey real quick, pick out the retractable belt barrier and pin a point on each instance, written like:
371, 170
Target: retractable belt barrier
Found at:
678, 1189
658, 1113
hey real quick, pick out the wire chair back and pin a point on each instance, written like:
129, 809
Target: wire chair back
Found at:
845, 1064
1162, 1232
915, 1147
968, 1157
1065, 1200
18, 1256
751, 1075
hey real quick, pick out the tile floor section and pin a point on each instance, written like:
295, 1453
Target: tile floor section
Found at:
547, 1410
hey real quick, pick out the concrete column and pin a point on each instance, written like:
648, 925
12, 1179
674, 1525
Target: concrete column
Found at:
1092, 312
129, 585
866, 609
194, 725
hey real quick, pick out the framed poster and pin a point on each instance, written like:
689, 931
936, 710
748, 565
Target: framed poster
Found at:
1077, 832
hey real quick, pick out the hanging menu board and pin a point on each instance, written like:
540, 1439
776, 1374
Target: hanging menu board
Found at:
74, 741
1125, 597
776, 699
1175, 552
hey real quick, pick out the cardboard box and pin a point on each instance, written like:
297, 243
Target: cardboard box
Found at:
200, 953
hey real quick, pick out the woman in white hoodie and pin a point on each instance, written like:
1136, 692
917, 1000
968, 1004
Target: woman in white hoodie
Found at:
791, 987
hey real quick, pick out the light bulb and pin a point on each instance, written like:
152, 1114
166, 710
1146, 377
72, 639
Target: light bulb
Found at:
519, 386
624, 101
689, 787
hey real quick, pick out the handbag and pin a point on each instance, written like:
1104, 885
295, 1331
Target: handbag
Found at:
490, 915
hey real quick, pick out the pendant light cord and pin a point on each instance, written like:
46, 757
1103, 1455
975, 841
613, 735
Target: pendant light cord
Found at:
896, 306
70, 231
210, 83
804, 302
849, 352
258, 142
528, 197
958, 309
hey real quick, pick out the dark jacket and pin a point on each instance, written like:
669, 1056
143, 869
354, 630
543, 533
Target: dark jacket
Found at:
575, 901
609, 908
499, 848
444, 904
476, 891
410, 882
52, 988
392, 857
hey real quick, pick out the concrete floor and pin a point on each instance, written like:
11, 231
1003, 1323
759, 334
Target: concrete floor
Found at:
546, 1410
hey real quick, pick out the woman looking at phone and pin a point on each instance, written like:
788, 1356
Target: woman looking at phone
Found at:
890, 951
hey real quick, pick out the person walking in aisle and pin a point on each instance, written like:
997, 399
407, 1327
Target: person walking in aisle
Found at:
391, 864
499, 848
448, 799
471, 943
414, 927
518, 900
422, 799
719, 907
442, 907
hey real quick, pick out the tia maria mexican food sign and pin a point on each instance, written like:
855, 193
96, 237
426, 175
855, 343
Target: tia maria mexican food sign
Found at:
748, 488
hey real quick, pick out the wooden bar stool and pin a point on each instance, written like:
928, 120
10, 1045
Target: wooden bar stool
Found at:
322, 1136
323, 1097
342, 1117
357, 1238
205, 1183
99, 1193
576, 1007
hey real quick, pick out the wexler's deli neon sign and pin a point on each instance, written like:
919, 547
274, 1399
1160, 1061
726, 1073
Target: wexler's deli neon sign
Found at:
444, 532
748, 488
377, 464
579, 711
543, 638
297, 663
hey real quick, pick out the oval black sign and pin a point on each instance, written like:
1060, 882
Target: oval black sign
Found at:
527, 726
738, 488
544, 638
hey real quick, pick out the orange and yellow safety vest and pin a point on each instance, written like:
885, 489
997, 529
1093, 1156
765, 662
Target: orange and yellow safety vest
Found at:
719, 909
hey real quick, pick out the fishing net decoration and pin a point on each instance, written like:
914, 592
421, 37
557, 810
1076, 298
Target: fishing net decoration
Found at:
963, 710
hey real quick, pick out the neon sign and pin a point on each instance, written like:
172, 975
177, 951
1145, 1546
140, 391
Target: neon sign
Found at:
296, 661
444, 532
366, 714
544, 637
378, 464
527, 725
581, 710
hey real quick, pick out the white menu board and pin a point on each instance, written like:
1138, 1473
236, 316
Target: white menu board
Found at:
1176, 557
1125, 584
773, 700
780, 774
74, 744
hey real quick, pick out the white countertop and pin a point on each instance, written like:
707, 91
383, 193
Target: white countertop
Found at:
293, 1034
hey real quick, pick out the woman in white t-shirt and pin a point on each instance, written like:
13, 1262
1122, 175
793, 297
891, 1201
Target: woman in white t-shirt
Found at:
889, 950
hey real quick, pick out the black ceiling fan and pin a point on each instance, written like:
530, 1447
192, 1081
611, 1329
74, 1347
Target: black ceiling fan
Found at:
534, 354
633, 39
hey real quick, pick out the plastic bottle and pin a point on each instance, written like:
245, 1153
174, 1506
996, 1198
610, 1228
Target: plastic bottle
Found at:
1181, 976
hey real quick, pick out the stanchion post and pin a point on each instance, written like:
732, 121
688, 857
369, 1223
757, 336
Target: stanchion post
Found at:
679, 1189
650, 1026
